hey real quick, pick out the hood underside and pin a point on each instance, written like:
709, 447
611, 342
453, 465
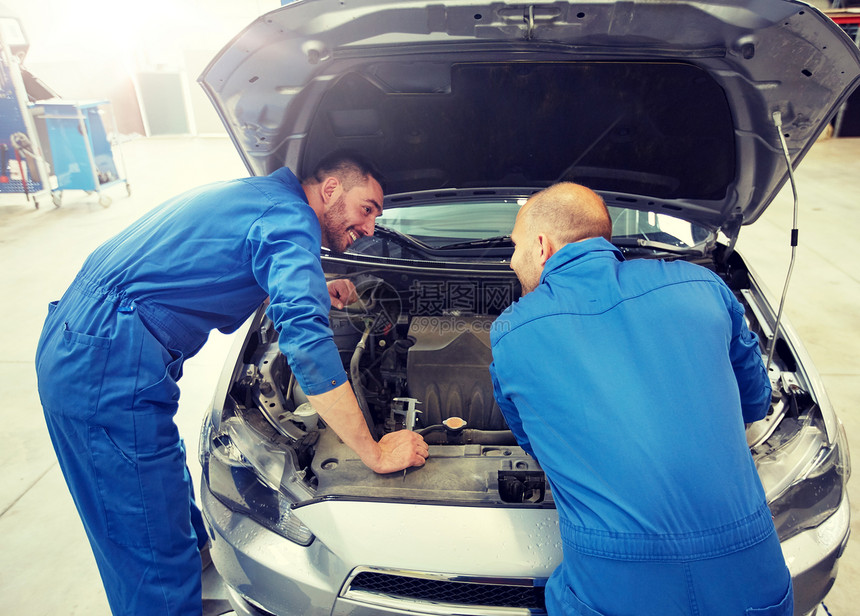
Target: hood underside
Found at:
670, 102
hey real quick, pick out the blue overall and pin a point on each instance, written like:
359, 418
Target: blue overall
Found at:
630, 382
112, 349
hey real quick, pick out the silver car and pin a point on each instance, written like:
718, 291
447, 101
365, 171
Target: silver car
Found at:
684, 116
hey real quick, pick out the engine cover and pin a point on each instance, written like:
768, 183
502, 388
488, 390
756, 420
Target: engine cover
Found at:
448, 371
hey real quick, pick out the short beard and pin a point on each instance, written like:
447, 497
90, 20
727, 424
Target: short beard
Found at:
529, 278
527, 287
334, 234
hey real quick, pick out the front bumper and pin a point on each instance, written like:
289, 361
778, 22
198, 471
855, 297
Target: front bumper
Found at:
264, 570
267, 574
813, 557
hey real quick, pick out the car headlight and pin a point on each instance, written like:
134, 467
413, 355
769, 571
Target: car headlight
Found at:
248, 475
804, 475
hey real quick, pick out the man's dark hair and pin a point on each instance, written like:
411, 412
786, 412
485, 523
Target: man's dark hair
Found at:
348, 166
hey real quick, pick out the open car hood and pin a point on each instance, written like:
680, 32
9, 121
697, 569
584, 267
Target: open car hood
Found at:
670, 104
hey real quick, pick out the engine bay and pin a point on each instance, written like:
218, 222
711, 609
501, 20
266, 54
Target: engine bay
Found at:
408, 370
417, 358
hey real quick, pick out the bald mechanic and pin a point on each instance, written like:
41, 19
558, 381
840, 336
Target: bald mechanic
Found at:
145, 301
640, 376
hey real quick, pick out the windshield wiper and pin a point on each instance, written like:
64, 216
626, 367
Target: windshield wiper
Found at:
505, 241
489, 242
630, 242
398, 235
501, 241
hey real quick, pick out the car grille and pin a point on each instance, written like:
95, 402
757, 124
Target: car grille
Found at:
447, 591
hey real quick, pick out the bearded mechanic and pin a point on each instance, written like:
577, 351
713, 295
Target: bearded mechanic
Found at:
112, 350
639, 379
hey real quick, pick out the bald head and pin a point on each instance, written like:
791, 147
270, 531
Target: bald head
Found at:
559, 215
567, 212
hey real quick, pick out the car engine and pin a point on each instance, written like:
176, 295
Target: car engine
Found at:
425, 368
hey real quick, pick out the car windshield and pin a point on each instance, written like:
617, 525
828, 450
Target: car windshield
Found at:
443, 225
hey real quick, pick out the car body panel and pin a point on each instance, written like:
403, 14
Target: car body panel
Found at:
512, 543
379, 76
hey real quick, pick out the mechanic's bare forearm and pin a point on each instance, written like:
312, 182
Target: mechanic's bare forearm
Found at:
339, 409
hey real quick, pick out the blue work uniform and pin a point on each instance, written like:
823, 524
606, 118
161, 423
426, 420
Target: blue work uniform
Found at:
630, 382
112, 350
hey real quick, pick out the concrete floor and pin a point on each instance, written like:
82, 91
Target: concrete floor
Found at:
46, 567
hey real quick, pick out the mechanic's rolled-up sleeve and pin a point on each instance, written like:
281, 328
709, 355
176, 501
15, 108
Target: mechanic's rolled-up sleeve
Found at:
750, 371
285, 261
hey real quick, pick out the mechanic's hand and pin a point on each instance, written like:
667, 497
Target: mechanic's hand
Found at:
401, 450
342, 292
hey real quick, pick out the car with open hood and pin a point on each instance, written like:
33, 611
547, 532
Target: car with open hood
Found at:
686, 117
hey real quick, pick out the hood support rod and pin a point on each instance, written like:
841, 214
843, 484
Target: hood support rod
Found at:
777, 121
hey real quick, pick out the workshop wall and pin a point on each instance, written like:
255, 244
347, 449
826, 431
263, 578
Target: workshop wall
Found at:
135, 54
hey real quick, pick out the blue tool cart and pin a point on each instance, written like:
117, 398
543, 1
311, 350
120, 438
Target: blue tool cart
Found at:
23, 168
81, 154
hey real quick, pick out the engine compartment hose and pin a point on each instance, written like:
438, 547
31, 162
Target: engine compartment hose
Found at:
355, 378
438, 434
